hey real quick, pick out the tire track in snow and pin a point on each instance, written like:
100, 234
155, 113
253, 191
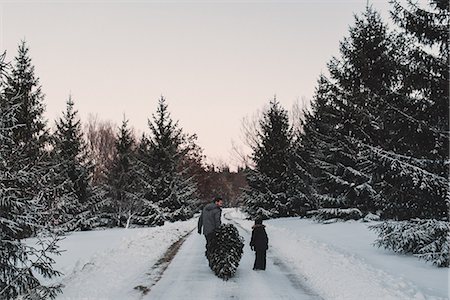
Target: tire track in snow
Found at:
295, 279
161, 265
189, 277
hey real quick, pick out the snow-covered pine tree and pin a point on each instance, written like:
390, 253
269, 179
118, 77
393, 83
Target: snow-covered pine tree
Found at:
127, 203
346, 113
225, 251
21, 91
123, 201
426, 77
326, 155
318, 143
426, 239
150, 213
70, 146
23, 186
420, 112
301, 189
172, 189
268, 191
365, 69
73, 172
23, 88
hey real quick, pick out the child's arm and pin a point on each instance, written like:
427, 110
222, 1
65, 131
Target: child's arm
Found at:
252, 240
267, 239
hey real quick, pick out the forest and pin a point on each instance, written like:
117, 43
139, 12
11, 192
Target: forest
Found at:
374, 145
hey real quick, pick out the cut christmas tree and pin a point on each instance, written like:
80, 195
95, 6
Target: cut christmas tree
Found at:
225, 251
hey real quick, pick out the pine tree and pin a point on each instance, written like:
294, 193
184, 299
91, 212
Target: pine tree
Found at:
23, 88
375, 140
128, 203
225, 251
426, 239
268, 192
150, 213
70, 146
73, 172
23, 186
349, 112
172, 189
319, 147
121, 178
415, 171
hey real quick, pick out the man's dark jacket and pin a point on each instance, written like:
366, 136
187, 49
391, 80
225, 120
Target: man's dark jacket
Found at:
209, 219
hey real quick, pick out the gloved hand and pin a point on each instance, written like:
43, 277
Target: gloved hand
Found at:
199, 231
253, 248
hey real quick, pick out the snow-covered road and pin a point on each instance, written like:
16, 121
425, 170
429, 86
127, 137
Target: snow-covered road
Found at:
189, 277
335, 261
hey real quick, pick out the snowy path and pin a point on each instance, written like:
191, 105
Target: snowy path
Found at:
189, 277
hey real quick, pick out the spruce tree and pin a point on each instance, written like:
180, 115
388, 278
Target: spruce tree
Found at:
127, 202
348, 113
364, 73
23, 189
172, 189
73, 171
267, 195
225, 251
320, 146
23, 89
415, 171
150, 213
120, 178
375, 140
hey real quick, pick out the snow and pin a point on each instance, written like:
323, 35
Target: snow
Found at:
189, 277
108, 264
339, 261
306, 260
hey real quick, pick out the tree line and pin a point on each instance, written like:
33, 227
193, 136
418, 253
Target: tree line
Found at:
375, 143
77, 177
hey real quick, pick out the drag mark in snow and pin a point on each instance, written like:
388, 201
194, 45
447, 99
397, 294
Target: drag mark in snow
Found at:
161, 265
294, 279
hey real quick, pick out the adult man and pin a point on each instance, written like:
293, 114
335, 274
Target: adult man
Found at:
210, 219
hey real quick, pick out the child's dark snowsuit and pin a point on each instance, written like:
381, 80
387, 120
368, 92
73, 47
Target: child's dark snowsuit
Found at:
259, 243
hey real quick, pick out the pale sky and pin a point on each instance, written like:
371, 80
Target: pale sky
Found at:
215, 62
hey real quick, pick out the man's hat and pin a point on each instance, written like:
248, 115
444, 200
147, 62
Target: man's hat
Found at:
218, 198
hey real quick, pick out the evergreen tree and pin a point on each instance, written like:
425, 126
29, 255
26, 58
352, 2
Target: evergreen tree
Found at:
363, 74
268, 192
128, 203
320, 147
426, 239
23, 186
168, 147
415, 171
73, 172
372, 141
349, 112
23, 88
225, 251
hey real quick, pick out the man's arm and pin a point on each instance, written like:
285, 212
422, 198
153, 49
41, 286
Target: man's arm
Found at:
217, 217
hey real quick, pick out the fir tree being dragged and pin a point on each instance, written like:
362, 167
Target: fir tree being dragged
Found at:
225, 251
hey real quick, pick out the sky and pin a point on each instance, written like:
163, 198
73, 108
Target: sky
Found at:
215, 62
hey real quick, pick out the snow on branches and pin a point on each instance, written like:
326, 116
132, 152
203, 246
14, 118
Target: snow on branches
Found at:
426, 239
324, 214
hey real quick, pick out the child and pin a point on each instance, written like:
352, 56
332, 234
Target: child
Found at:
259, 243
